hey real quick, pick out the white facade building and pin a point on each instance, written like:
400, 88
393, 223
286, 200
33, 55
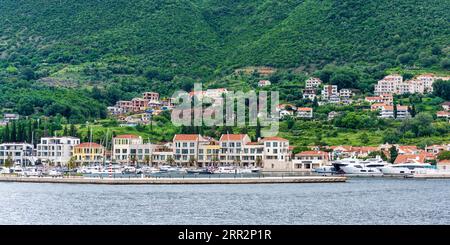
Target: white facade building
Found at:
19, 153
56, 150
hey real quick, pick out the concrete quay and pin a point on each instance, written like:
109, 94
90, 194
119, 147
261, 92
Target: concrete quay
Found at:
176, 181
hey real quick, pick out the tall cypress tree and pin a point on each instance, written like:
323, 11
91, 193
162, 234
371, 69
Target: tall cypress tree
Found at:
13, 137
6, 134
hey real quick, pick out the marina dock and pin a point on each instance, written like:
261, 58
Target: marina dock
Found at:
176, 181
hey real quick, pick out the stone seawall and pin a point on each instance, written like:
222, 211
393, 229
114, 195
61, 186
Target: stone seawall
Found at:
179, 181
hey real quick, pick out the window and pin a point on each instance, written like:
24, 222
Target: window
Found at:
238, 144
267, 144
185, 144
275, 144
192, 144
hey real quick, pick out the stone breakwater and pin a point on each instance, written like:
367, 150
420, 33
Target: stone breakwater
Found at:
179, 181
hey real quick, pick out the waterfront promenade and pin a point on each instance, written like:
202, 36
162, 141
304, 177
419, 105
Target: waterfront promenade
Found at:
187, 180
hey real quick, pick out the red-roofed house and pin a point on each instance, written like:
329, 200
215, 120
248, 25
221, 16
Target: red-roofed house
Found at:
443, 114
88, 153
446, 106
377, 106
414, 158
388, 112
443, 165
305, 112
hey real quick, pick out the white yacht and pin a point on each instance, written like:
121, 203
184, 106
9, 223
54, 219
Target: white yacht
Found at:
5, 170
375, 163
354, 167
406, 168
226, 170
31, 171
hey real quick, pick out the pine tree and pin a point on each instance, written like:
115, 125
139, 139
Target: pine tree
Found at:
30, 132
258, 129
73, 130
13, 137
65, 131
6, 134
394, 153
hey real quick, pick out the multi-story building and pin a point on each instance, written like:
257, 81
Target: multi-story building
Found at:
88, 153
328, 91
388, 84
309, 93
313, 83
131, 149
139, 104
232, 147
309, 160
276, 154
18, 153
388, 112
151, 96
305, 112
345, 93
125, 105
186, 148
56, 150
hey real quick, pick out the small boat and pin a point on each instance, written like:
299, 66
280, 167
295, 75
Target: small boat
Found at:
31, 172
55, 173
5, 170
200, 171
226, 170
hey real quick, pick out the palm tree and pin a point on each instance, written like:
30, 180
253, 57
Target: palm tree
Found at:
170, 160
71, 164
192, 161
9, 162
147, 160
258, 161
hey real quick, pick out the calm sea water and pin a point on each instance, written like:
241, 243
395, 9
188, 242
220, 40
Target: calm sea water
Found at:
359, 201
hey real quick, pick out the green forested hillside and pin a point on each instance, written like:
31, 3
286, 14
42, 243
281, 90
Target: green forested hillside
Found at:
124, 47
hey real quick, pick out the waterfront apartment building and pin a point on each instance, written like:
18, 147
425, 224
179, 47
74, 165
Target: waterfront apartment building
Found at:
131, 149
56, 150
88, 153
232, 148
276, 156
185, 148
18, 153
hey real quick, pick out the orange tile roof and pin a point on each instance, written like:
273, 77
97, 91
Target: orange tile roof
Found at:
274, 138
127, 136
232, 137
311, 153
186, 137
444, 162
304, 109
